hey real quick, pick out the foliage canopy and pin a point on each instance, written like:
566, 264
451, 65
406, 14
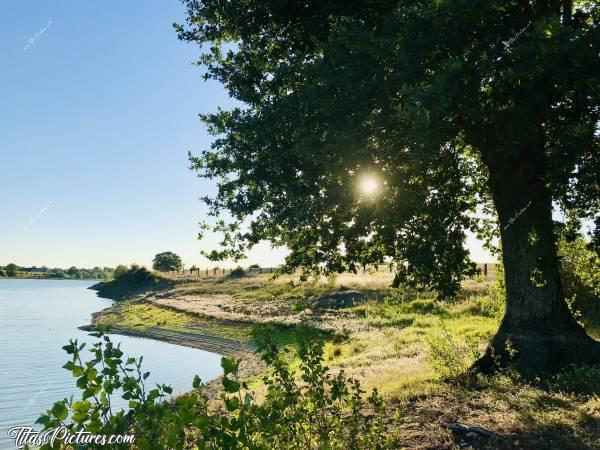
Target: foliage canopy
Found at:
166, 262
427, 98
11, 270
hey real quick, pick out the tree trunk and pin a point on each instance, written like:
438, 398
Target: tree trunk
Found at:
538, 332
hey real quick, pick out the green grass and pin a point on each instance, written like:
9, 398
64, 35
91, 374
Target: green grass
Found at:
141, 316
394, 345
385, 344
382, 343
389, 350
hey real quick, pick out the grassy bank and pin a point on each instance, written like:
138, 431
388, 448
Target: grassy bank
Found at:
406, 344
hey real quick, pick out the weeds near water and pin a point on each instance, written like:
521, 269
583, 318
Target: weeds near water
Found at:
312, 409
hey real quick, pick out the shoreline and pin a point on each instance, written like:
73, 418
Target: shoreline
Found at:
250, 364
51, 279
206, 342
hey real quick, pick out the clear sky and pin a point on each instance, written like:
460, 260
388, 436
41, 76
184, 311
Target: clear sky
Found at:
99, 106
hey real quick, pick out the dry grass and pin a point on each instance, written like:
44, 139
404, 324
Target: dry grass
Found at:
526, 416
382, 345
384, 340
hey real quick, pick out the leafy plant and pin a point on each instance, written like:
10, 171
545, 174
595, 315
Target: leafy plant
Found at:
449, 356
313, 409
420, 307
490, 305
580, 274
301, 304
332, 278
120, 271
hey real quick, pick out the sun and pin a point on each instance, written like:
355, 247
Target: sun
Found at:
369, 185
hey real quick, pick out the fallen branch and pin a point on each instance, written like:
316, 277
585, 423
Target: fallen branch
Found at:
469, 429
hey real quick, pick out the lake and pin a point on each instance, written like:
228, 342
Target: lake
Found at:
37, 318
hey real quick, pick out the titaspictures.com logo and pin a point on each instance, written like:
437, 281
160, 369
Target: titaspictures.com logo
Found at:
28, 436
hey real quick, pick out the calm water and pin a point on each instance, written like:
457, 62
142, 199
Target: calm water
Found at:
37, 317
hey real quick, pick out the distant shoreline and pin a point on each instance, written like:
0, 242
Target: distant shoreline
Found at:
50, 278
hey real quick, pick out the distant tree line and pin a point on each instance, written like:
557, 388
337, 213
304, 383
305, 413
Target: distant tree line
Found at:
99, 273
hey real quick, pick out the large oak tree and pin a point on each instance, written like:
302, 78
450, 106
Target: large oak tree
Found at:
452, 109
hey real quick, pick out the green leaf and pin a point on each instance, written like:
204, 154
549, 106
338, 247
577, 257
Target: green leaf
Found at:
201, 421
232, 403
229, 365
197, 382
60, 410
230, 386
77, 371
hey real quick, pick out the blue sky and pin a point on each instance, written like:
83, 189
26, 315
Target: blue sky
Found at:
99, 107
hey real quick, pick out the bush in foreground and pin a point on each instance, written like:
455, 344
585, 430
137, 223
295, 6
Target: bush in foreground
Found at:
315, 411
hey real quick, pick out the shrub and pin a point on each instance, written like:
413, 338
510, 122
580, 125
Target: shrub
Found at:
317, 411
580, 274
301, 304
120, 271
134, 276
332, 278
238, 272
399, 296
490, 305
448, 356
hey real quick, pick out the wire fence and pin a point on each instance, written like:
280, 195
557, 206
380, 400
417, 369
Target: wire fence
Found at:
485, 270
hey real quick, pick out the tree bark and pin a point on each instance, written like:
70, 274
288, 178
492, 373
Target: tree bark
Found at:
538, 332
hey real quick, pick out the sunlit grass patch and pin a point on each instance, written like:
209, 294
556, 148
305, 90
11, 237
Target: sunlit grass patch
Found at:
390, 351
142, 316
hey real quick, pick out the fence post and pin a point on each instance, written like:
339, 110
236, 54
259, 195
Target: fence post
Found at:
485, 270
